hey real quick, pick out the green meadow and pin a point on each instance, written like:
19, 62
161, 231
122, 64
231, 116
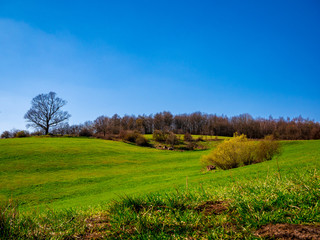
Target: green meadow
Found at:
82, 178
69, 172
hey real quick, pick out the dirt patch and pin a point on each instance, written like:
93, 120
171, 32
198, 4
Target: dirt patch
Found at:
95, 227
213, 207
98, 222
289, 231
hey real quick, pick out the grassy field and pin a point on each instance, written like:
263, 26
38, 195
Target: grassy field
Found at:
54, 174
67, 172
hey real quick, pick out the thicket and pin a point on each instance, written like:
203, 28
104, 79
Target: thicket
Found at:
85, 132
166, 137
134, 137
240, 151
170, 138
21, 134
15, 134
160, 136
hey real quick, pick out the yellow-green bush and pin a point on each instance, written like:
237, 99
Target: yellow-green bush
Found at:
239, 151
160, 136
267, 148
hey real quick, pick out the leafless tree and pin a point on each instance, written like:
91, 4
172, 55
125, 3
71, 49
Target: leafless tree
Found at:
115, 124
45, 111
101, 125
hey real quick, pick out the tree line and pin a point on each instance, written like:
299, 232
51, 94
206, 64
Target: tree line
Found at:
46, 116
196, 123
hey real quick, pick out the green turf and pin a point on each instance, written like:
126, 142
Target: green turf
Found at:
54, 174
68, 172
65, 172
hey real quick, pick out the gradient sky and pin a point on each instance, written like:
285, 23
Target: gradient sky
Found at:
135, 57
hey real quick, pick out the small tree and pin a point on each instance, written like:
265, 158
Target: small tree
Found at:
101, 125
46, 112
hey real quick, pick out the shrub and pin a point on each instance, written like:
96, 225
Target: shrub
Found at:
160, 136
200, 139
142, 141
122, 134
37, 133
172, 139
21, 134
267, 148
85, 132
134, 137
187, 137
130, 136
192, 146
239, 151
107, 136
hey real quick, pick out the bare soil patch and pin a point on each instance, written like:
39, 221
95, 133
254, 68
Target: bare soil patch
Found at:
96, 226
213, 207
289, 231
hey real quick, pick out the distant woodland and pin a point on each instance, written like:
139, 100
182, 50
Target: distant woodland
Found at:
197, 123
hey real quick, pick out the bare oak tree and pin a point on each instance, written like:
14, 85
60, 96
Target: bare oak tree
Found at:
46, 112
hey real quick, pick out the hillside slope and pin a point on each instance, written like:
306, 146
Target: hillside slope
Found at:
69, 172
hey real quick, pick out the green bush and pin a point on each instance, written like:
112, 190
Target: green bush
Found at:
160, 136
240, 151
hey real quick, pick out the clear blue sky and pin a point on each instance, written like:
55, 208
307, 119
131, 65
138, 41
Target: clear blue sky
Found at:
135, 57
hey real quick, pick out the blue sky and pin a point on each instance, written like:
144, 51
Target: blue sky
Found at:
135, 57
